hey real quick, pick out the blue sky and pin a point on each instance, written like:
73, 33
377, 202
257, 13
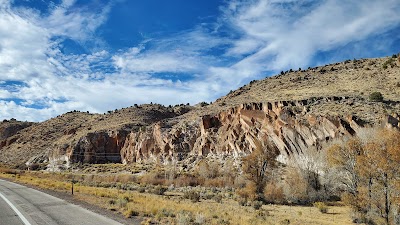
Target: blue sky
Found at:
99, 55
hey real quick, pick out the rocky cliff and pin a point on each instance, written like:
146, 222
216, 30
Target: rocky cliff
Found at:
289, 124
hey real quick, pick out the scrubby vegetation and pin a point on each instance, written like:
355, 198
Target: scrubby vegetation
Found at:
160, 196
376, 97
390, 62
172, 207
361, 172
321, 206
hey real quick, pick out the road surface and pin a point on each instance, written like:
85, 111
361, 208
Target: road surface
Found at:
20, 205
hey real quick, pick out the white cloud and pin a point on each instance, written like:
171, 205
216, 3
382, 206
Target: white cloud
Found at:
4, 4
290, 35
22, 47
157, 62
28, 53
77, 23
200, 64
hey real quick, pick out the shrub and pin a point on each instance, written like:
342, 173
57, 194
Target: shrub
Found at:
159, 190
186, 180
248, 192
154, 178
322, 207
200, 219
242, 201
165, 213
218, 198
203, 104
389, 62
215, 182
111, 202
192, 195
141, 189
257, 205
223, 222
122, 202
273, 193
129, 213
184, 217
376, 97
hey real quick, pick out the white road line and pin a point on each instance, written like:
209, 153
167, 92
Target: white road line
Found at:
22, 217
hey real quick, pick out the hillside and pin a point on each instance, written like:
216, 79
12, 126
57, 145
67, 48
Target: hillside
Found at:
355, 79
297, 109
348, 78
36, 142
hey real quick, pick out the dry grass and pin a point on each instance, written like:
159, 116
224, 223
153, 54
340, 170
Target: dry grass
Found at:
174, 209
310, 215
349, 78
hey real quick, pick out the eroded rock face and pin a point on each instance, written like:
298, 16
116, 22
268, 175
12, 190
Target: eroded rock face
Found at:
159, 143
290, 125
233, 132
97, 147
9, 129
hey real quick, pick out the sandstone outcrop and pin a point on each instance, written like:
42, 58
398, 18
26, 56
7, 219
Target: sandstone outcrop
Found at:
233, 132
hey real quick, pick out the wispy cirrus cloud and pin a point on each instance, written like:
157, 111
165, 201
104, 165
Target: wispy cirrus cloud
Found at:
290, 33
79, 24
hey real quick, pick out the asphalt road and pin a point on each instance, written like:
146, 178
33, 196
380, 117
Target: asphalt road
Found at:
7, 214
32, 207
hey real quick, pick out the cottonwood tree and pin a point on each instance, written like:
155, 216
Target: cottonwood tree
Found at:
296, 186
381, 167
373, 173
344, 158
305, 177
258, 165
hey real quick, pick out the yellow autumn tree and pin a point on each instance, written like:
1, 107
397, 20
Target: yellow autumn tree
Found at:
380, 169
371, 173
258, 165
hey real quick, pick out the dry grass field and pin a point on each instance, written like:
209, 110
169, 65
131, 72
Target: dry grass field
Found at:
172, 208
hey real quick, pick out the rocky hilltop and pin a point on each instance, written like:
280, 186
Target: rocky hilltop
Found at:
298, 110
9, 128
